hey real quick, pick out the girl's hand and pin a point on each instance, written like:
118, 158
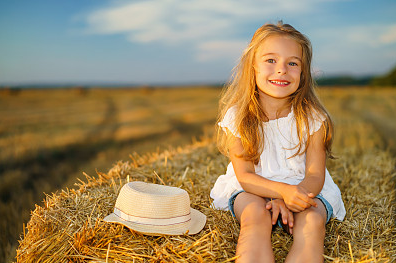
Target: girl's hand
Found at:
297, 198
278, 206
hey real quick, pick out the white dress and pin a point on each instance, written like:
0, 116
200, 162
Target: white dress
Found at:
280, 140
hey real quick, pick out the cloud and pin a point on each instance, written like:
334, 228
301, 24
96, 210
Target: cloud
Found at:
169, 21
203, 24
371, 35
211, 50
355, 49
389, 35
216, 30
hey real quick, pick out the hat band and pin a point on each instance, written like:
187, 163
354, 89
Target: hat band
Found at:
152, 221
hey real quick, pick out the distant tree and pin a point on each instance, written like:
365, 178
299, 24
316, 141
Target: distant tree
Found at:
343, 81
388, 79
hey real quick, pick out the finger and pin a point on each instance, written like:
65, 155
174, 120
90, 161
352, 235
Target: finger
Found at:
307, 200
311, 200
268, 206
285, 217
302, 204
290, 220
285, 214
294, 208
312, 196
288, 206
304, 201
275, 214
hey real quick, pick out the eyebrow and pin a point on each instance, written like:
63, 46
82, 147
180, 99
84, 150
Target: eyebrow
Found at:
269, 54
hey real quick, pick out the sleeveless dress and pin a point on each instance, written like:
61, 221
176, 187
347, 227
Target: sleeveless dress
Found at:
280, 140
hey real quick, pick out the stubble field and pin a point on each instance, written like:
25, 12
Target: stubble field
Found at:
49, 137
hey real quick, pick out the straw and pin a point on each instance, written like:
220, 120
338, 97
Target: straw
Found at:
69, 226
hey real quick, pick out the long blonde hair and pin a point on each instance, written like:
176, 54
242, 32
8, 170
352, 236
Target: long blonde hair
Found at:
242, 93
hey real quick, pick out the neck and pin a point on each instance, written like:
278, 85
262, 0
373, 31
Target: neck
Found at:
274, 107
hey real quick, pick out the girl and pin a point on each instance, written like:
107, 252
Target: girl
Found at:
277, 135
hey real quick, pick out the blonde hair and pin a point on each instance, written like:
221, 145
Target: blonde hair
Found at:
242, 93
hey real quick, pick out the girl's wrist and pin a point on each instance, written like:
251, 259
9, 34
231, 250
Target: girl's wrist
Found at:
284, 190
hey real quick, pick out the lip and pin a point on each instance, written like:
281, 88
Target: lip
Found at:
279, 82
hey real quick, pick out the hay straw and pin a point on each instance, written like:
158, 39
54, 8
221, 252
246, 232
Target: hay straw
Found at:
69, 226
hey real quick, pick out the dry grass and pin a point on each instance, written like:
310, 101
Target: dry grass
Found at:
69, 226
48, 137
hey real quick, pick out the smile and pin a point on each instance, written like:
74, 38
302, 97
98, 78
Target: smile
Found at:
280, 82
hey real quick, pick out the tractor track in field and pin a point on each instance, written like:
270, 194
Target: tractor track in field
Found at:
50, 169
44, 165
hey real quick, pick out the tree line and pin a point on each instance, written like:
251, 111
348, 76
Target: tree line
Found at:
388, 79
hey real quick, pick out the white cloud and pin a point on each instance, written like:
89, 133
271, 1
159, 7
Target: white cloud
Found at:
371, 35
363, 36
355, 49
219, 49
209, 29
389, 36
200, 23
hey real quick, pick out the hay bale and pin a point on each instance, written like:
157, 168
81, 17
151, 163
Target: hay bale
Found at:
69, 226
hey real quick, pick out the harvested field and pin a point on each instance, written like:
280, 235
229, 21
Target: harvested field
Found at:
69, 226
49, 137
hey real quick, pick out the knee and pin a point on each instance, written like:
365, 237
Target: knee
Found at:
255, 214
315, 220
318, 217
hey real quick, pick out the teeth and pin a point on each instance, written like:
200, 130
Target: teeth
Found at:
279, 82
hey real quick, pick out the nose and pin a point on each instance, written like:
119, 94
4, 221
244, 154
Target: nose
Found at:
281, 69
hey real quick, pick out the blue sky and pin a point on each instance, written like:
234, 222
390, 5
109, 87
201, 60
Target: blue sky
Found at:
181, 41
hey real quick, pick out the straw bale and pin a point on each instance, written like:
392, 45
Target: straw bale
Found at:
69, 226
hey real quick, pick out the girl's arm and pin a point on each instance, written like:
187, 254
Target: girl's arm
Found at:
296, 198
247, 177
315, 165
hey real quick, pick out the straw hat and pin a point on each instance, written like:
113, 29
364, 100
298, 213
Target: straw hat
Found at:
156, 209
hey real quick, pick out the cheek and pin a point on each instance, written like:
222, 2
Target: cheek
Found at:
262, 69
258, 73
297, 73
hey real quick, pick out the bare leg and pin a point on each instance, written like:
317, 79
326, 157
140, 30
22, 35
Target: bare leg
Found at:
254, 242
308, 234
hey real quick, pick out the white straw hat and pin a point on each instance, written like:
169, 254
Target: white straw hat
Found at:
156, 209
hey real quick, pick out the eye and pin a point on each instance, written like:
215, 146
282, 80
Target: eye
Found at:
293, 64
270, 60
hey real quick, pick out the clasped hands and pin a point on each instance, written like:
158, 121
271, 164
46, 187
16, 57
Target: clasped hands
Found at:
295, 199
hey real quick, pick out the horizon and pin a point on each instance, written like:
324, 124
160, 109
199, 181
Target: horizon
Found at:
173, 42
94, 84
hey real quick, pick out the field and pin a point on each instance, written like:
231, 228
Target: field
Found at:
49, 137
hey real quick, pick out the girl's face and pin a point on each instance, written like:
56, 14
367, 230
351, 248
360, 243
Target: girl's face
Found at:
277, 65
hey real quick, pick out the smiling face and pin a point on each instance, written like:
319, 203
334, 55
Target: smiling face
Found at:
277, 65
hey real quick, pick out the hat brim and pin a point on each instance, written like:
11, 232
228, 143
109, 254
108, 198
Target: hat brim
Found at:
196, 224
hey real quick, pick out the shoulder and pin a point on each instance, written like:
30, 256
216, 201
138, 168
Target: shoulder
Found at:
316, 118
228, 121
231, 112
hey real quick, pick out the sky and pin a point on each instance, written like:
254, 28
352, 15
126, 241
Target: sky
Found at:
148, 42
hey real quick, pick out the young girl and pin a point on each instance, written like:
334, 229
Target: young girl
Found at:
277, 135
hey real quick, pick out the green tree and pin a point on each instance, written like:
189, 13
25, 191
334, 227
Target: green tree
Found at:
388, 79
